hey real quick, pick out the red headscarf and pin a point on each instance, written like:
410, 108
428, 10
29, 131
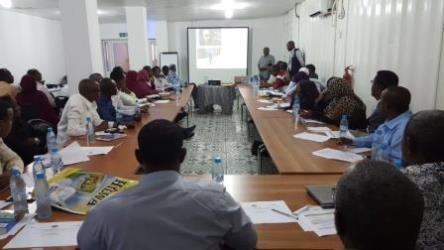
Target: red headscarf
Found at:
35, 102
140, 88
144, 77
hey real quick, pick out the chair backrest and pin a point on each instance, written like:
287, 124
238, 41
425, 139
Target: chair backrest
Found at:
40, 126
61, 101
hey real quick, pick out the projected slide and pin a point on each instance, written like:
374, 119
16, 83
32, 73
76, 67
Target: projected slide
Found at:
217, 53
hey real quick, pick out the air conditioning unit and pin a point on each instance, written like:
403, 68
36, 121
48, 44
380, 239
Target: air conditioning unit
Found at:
319, 7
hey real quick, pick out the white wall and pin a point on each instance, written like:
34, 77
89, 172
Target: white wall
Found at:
403, 36
271, 32
31, 42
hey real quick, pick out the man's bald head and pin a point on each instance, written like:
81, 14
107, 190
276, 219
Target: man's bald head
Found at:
89, 89
395, 101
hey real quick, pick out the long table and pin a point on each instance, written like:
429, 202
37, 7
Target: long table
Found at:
290, 155
290, 188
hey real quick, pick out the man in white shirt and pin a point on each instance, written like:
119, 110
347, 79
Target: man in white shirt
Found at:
159, 80
41, 85
295, 59
77, 109
165, 211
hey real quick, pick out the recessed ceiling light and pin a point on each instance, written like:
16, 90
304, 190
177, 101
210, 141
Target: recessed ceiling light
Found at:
101, 12
229, 5
7, 4
229, 14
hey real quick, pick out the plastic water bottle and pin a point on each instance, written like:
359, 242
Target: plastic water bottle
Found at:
178, 95
343, 127
378, 138
56, 160
90, 131
217, 172
37, 166
18, 191
51, 140
44, 210
296, 108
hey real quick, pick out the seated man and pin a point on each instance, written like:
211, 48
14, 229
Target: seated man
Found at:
77, 109
159, 79
377, 207
315, 78
382, 80
424, 153
174, 79
110, 104
395, 107
8, 158
165, 211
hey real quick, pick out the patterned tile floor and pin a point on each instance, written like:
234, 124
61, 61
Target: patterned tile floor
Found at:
219, 135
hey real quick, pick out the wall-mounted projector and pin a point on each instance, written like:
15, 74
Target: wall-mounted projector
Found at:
319, 7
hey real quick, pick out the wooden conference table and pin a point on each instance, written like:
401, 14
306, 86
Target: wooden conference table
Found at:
290, 188
290, 155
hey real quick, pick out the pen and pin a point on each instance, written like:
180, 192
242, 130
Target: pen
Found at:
283, 213
118, 145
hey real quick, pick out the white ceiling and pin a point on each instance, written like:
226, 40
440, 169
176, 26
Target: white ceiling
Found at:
171, 10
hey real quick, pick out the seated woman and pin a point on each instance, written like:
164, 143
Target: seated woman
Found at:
140, 88
423, 152
34, 104
343, 102
127, 96
8, 158
297, 78
23, 139
307, 93
109, 104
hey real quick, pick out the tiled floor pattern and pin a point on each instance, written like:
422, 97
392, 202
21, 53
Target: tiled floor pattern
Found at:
219, 135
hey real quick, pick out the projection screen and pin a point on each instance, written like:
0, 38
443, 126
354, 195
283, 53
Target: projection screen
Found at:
217, 53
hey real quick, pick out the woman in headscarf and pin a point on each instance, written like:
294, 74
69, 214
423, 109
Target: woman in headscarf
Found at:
343, 101
143, 77
34, 104
139, 88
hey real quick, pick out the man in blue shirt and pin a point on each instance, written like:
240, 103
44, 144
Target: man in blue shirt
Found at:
175, 80
382, 80
394, 106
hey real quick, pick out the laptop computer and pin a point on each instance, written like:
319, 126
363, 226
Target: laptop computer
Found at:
214, 82
323, 195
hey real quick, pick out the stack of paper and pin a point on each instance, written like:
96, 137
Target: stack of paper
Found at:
90, 151
316, 219
73, 154
335, 134
318, 129
334, 154
162, 101
267, 109
268, 212
284, 105
359, 150
311, 121
311, 137
54, 234
265, 101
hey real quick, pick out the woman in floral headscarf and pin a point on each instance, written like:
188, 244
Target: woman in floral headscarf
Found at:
342, 101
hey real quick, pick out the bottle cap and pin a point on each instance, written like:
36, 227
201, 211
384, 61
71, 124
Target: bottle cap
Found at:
49, 129
88, 119
40, 175
217, 159
37, 158
15, 171
54, 150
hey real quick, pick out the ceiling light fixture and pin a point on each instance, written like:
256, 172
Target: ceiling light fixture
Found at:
101, 12
229, 5
7, 4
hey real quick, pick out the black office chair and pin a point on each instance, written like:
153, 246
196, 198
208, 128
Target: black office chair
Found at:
40, 126
61, 101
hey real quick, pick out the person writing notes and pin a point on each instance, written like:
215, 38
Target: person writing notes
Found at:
165, 211
395, 107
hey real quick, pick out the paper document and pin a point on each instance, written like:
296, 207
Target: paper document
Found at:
314, 218
4, 204
311, 137
27, 219
90, 151
312, 121
359, 150
73, 154
275, 93
103, 136
265, 101
334, 154
318, 129
267, 109
284, 105
261, 212
162, 101
54, 234
335, 134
